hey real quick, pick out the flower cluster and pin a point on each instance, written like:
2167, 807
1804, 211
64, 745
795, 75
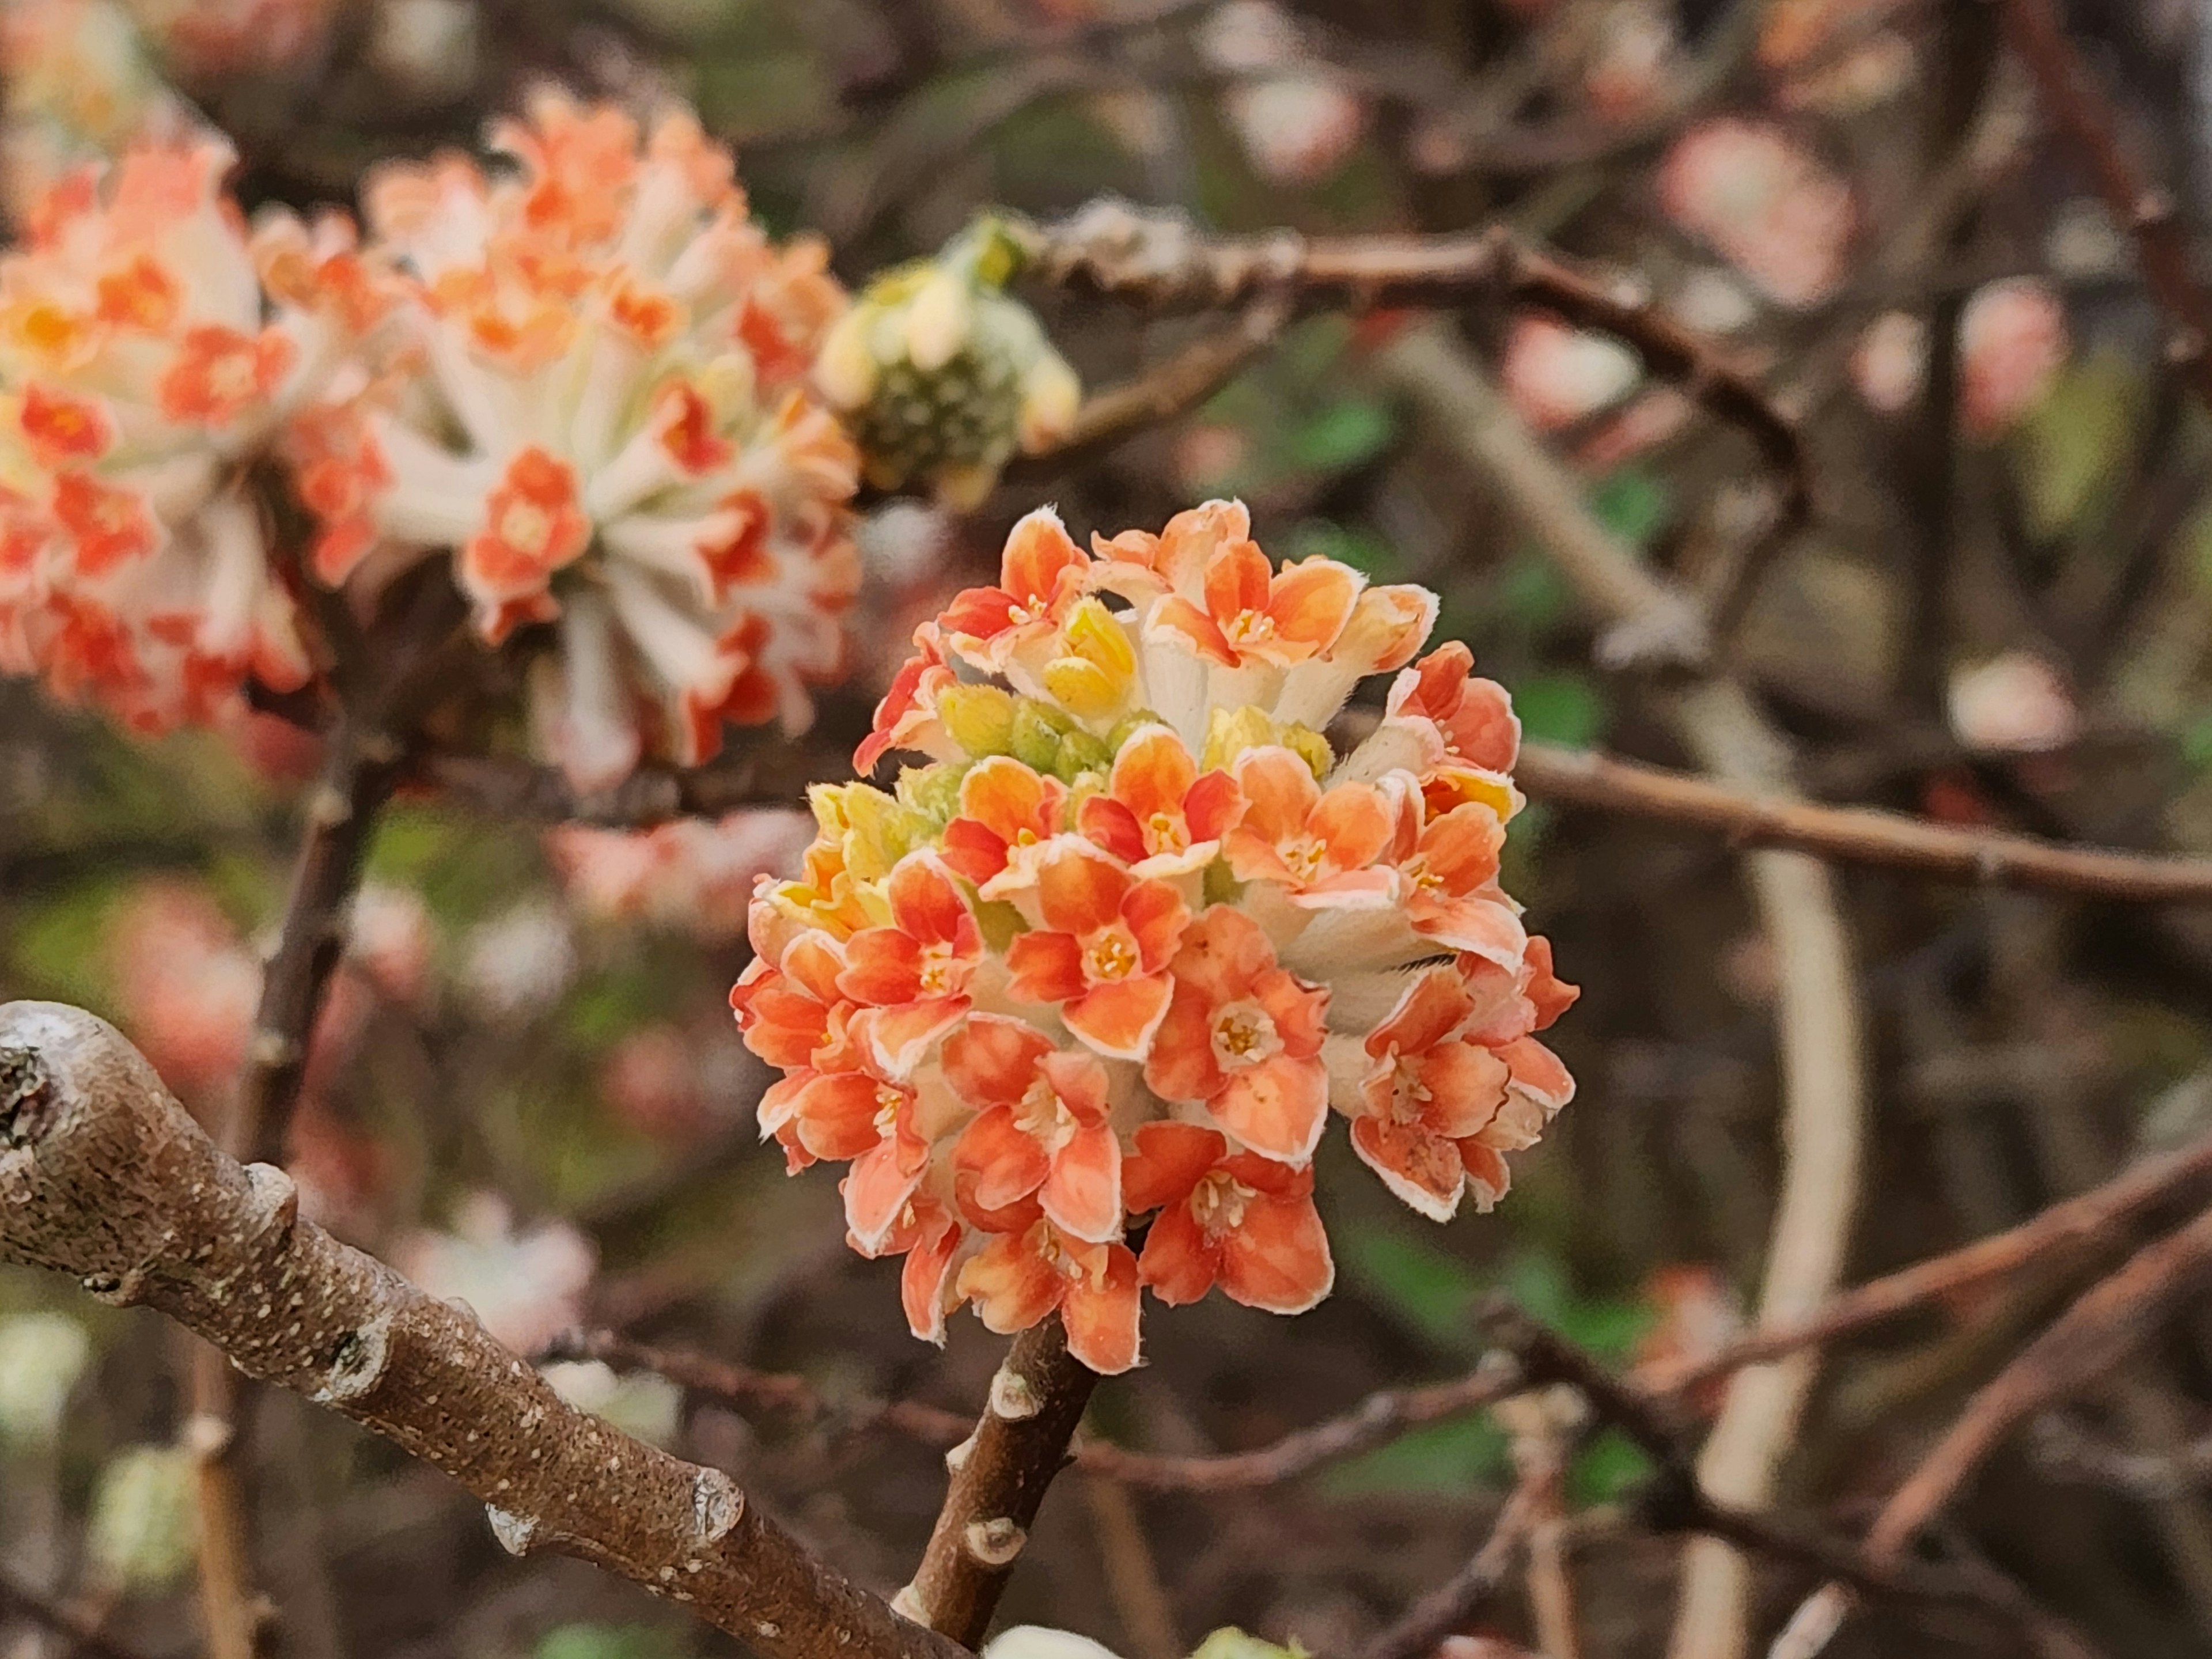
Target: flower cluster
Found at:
600, 411
692, 874
149, 350
1117, 950
943, 375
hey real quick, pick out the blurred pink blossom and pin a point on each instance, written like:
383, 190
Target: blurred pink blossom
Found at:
526, 1287
652, 1079
697, 874
185, 985
1556, 375
1889, 365
2014, 703
1762, 202
393, 941
1634, 52
2013, 340
1296, 128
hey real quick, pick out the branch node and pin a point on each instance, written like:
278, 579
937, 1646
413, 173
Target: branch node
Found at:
117, 1290
955, 1457
26, 1095
272, 1050
359, 1364
516, 1532
717, 1506
995, 1542
206, 1436
1011, 1398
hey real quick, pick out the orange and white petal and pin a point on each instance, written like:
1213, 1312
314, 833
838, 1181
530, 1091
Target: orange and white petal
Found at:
1009, 1282
1179, 1263
1102, 1313
1082, 1194
1425, 1173
1277, 1107
1119, 1017
996, 1163
1279, 1260
991, 1061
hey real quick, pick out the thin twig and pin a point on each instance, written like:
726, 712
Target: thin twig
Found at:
1459, 1600
1160, 394
1161, 259
1858, 834
999, 1474
2108, 1323
76, 1636
2075, 101
1817, 1021
1132, 1575
105, 1177
2066, 1451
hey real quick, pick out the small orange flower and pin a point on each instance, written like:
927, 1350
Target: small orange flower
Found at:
1104, 949
1040, 574
533, 526
1159, 814
1322, 846
1019, 1278
62, 429
1243, 1222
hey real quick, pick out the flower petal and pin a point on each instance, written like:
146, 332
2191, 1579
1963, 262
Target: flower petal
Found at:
1119, 1017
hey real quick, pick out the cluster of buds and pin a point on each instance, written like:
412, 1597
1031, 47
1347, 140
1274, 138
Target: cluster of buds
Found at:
150, 352
597, 405
1118, 949
943, 376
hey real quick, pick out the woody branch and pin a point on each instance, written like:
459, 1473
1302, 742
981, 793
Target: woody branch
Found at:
105, 1177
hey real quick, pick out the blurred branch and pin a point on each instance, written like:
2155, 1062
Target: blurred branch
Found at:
766, 772
1158, 395
2115, 1318
73, 1634
2094, 1217
2079, 105
1133, 1576
1161, 258
2064, 1450
1858, 834
1446, 1610
1818, 1021
105, 1177
999, 1474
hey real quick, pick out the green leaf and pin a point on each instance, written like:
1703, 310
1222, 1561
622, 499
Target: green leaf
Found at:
1632, 503
605, 1642
1342, 436
1532, 592
1608, 1467
1567, 708
2067, 455
1464, 1455
1422, 1288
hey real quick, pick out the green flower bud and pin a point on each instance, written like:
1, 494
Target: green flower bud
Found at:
942, 376
979, 718
1080, 752
1037, 730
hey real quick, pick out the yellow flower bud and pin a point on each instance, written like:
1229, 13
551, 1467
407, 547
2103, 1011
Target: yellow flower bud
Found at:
979, 718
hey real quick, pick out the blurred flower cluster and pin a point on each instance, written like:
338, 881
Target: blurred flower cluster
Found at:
1122, 943
583, 378
694, 874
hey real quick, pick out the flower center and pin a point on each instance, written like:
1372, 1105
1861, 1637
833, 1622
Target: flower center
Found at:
935, 973
888, 1102
526, 527
1251, 626
1042, 1114
1217, 1202
1164, 832
1113, 955
1244, 1035
1304, 857
1409, 1092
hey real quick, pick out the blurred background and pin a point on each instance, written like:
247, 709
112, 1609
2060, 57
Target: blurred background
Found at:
527, 1090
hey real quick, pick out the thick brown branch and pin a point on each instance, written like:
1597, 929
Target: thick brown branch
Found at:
105, 1177
2079, 105
999, 1474
1858, 834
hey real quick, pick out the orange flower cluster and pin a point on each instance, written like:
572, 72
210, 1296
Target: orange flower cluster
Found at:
1118, 949
597, 405
582, 379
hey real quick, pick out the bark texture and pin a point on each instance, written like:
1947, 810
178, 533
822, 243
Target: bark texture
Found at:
105, 1177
